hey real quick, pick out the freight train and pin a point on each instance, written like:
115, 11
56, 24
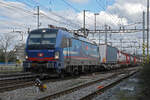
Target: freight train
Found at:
56, 51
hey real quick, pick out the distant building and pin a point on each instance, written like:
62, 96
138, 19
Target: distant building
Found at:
20, 52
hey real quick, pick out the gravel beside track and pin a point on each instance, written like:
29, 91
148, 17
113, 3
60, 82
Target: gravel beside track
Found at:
33, 93
129, 89
74, 88
62, 95
106, 86
81, 92
84, 91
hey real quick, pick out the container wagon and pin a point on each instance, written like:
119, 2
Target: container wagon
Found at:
108, 55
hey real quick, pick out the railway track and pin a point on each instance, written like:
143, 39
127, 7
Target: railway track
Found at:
104, 88
25, 80
15, 74
62, 93
11, 83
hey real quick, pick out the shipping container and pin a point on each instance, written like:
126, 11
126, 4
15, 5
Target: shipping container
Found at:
108, 54
121, 57
131, 59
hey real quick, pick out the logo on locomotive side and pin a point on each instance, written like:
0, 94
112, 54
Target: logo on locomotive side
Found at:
86, 47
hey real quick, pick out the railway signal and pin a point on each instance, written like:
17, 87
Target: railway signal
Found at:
42, 87
144, 53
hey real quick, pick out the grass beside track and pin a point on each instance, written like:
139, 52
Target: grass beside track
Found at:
144, 83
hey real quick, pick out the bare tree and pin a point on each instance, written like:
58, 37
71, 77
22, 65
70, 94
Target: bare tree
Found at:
8, 43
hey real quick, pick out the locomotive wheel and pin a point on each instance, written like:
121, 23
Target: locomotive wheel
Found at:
41, 70
76, 72
61, 75
25, 70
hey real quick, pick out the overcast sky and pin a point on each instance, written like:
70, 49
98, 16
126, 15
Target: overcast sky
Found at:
21, 14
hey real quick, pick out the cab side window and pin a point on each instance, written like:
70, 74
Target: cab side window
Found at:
66, 42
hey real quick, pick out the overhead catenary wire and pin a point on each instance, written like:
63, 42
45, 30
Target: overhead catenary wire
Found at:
22, 26
111, 15
77, 10
71, 6
22, 1
8, 6
111, 12
18, 8
57, 15
63, 23
24, 10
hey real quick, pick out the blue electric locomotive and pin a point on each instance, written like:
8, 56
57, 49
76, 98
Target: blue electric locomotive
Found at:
55, 51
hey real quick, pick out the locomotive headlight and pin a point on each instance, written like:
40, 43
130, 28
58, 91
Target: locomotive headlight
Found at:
26, 57
57, 55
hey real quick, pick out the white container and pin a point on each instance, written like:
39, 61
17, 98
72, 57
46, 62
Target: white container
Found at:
108, 54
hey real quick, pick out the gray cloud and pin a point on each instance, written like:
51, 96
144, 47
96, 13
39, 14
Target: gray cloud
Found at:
122, 12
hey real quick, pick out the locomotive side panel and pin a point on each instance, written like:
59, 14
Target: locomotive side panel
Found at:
81, 53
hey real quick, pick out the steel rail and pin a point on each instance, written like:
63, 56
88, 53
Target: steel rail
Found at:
103, 89
76, 88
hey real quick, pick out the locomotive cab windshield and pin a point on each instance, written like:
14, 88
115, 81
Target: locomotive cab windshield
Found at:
42, 39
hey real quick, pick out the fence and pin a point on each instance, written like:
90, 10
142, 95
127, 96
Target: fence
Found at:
10, 67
